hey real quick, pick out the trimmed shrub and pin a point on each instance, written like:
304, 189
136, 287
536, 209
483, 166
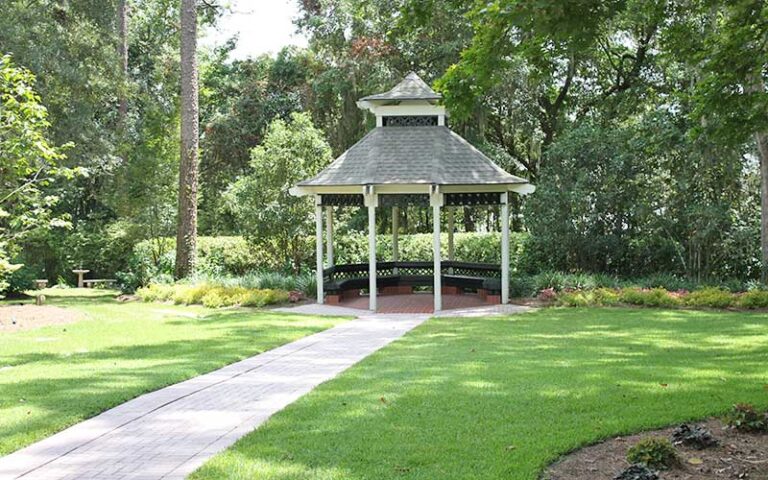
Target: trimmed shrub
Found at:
156, 293
697, 437
588, 298
746, 418
753, 299
235, 256
211, 296
655, 297
654, 452
709, 297
637, 472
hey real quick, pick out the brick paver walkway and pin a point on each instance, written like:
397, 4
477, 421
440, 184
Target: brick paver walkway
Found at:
422, 302
169, 433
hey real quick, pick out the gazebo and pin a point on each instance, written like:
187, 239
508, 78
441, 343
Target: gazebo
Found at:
411, 157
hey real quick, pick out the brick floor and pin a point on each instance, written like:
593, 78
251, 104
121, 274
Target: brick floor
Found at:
414, 303
169, 433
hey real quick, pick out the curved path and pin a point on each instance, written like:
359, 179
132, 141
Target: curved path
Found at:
169, 433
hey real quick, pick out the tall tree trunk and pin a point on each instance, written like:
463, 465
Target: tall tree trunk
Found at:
469, 222
186, 236
122, 52
761, 138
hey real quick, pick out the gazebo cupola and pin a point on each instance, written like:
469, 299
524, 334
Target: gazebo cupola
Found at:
411, 157
410, 104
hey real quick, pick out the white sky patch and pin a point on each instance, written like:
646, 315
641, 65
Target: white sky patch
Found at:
263, 26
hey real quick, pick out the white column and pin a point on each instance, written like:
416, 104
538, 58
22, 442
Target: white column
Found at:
371, 201
505, 248
329, 234
451, 226
319, 247
395, 234
436, 200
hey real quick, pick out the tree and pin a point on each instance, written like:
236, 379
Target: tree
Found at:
122, 52
270, 216
28, 163
725, 46
562, 58
186, 235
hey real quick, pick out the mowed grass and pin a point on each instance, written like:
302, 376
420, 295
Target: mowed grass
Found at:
53, 377
501, 398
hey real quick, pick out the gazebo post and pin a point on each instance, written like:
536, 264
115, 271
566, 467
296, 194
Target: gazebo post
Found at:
451, 226
319, 247
371, 201
505, 248
329, 234
436, 200
395, 233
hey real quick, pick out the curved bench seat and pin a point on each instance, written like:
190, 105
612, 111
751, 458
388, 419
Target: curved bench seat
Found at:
480, 277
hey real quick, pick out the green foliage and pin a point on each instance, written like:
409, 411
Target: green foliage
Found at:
654, 452
693, 436
745, 417
276, 221
28, 164
655, 297
211, 295
710, 297
602, 297
753, 299
637, 472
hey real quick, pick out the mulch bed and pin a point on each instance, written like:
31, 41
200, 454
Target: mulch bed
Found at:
738, 456
15, 318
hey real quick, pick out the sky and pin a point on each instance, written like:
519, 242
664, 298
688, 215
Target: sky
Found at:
263, 26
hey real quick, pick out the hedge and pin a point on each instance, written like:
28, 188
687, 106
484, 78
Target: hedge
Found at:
236, 256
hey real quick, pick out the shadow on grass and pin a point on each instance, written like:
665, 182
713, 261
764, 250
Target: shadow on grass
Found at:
53, 390
502, 398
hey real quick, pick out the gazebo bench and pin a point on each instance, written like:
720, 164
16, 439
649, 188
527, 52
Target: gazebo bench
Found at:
346, 281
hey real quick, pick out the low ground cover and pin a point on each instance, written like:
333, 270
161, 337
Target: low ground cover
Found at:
211, 295
710, 297
500, 398
55, 376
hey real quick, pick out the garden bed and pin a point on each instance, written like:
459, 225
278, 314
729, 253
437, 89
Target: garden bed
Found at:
14, 318
737, 456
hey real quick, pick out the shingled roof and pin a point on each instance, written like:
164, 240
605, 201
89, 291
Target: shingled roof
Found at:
411, 88
412, 155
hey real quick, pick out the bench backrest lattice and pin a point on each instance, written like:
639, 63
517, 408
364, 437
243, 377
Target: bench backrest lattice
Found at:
414, 269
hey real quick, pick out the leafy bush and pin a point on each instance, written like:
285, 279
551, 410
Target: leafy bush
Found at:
236, 257
753, 299
746, 418
653, 452
156, 293
664, 280
587, 298
709, 297
637, 472
655, 297
697, 437
20, 280
211, 295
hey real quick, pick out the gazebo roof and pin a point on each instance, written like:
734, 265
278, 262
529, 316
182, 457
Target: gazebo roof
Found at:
412, 87
410, 147
412, 155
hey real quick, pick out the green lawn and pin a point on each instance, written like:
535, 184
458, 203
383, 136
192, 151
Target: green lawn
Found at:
500, 398
55, 376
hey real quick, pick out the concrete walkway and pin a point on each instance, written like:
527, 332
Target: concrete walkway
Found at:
169, 433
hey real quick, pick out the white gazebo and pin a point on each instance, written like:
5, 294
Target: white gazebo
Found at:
410, 157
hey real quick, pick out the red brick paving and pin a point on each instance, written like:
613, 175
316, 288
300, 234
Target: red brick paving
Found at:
413, 303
